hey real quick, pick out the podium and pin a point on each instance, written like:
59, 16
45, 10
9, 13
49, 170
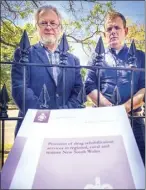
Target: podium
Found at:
91, 148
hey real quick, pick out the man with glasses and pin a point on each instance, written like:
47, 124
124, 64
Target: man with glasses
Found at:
44, 85
115, 86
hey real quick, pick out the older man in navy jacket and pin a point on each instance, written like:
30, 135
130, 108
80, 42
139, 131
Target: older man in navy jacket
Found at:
49, 26
115, 86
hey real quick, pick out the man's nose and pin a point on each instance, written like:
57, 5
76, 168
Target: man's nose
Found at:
113, 30
48, 26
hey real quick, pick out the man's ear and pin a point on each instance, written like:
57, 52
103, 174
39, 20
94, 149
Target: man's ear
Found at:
104, 35
36, 27
126, 31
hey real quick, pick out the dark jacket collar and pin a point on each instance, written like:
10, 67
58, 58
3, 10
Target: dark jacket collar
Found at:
113, 51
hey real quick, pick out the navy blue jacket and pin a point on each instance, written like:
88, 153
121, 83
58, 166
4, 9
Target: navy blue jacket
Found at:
36, 77
109, 79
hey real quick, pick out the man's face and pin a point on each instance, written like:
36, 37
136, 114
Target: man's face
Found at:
48, 27
115, 32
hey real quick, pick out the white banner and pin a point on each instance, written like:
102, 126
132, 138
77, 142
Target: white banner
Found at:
92, 148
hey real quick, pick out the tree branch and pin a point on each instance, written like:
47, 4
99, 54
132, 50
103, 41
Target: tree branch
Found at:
7, 27
84, 49
10, 10
11, 22
8, 44
85, 39
33, 1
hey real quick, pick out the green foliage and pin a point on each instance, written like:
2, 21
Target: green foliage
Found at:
84, 29
11, 35
137, 33
83, 73
11, 12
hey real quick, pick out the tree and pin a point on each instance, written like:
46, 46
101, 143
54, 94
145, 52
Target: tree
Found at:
137, 32
8, 50
11, 11
80, 29
85, 29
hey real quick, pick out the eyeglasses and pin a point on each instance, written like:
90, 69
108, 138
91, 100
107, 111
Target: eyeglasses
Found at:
46, 24
109, 29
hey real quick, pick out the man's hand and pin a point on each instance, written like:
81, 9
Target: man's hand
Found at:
102, 100
137, 100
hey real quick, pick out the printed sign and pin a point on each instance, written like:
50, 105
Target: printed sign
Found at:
91, 148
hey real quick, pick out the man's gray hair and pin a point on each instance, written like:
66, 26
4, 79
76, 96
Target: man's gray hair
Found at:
46, 8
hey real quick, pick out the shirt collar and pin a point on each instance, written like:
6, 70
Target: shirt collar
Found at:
116, 52
56, 51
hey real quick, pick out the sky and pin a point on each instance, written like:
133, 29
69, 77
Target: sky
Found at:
133, 10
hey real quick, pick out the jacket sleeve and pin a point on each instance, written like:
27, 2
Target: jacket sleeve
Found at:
141, 81
75, 100
91, 78
91, 81
31, 101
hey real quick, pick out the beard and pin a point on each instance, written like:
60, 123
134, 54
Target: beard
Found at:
49, 40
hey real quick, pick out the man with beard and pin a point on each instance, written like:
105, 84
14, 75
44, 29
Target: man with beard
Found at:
115, 86
45, 84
